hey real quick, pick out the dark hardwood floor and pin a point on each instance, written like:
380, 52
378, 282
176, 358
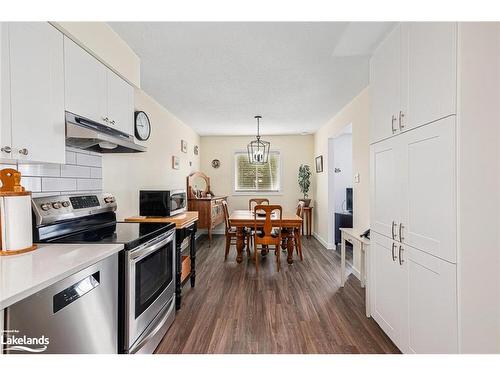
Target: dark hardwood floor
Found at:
302, 309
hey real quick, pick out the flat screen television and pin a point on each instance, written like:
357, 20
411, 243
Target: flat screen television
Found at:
348, 199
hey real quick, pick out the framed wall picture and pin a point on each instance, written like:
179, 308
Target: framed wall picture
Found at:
184, 146
319, 164
176, 162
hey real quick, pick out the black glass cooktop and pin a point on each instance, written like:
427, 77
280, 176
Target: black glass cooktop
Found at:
129, 234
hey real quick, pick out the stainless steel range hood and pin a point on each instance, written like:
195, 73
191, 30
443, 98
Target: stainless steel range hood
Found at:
92, 136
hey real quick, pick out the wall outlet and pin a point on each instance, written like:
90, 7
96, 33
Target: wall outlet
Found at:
356, 178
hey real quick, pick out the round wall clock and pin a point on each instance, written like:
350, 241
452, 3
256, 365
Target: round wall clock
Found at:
142, 126
216, 163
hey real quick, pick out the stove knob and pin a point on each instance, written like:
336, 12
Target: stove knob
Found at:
45, 206
65, 204
109, 200
56, 205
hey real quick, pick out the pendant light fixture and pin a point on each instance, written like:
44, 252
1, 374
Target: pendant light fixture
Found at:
258, 151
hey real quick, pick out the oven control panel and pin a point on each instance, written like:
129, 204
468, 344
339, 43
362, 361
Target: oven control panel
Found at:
61, 207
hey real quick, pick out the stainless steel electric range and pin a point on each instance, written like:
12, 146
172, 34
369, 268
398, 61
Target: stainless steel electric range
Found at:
146, 266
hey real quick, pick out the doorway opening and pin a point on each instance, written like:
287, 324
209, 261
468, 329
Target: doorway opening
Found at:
340, 183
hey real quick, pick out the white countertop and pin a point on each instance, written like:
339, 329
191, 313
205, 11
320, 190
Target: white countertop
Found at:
25, 274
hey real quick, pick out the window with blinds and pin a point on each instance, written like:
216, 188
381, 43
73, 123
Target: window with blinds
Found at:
249, 177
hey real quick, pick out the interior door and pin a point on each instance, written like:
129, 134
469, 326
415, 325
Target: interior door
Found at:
85, 83
388, 289
37, 92
432, 298
429, 193
120, 103
385, 86
432, 71
385, 186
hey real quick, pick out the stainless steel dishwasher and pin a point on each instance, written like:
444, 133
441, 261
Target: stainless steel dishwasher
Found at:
78, 314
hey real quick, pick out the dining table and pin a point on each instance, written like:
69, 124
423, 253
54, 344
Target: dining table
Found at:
241, 219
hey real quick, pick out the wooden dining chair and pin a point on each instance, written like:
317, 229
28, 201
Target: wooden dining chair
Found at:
266, 233
231, 233
297, 238
256, 201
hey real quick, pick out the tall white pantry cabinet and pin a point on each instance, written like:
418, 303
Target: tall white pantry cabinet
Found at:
435, 187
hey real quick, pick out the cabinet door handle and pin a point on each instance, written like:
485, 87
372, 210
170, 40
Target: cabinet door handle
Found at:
393, 120
401, 227
6, 149
401, 260
392, 252
401, 125
23, 151
393, 227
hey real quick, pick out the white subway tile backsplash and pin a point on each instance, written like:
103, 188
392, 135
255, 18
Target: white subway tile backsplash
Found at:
33, 184
82, 173
88, 160
74, 171
58, 184
95, 172
40, 170
5, 166
89, 184
38, 195
79, 150
70, 157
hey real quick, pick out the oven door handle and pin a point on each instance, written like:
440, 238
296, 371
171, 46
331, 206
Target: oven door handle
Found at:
151, 248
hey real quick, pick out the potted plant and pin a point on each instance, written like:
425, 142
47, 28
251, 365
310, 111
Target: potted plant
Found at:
305, 183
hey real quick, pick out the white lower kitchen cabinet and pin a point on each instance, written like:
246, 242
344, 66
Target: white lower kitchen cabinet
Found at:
388, 292
33, 127
432, 303
413, 297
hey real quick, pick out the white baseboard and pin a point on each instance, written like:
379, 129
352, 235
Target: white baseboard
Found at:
327, 245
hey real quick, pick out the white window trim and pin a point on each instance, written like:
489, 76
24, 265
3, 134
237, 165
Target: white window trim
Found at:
257, 192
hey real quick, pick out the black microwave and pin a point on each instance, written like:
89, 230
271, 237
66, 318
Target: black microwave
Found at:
162, 202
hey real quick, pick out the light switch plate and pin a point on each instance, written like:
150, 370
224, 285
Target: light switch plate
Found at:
356, 178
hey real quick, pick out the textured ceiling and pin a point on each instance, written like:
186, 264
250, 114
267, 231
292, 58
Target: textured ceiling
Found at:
216, 76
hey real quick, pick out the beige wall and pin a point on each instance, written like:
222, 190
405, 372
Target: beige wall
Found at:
357, 113
294, 150
100, 40
125, 174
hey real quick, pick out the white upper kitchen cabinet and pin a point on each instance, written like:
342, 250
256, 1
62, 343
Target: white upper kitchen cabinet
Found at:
432, 303
386, 187
388, 289
37, 128
429, 211
120, 99
85, 83
5, 151
95, 92
430, 71
386, 86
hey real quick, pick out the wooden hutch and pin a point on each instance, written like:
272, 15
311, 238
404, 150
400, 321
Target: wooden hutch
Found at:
201, 199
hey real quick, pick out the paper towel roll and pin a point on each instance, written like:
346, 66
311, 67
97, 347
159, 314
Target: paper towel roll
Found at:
16, 222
